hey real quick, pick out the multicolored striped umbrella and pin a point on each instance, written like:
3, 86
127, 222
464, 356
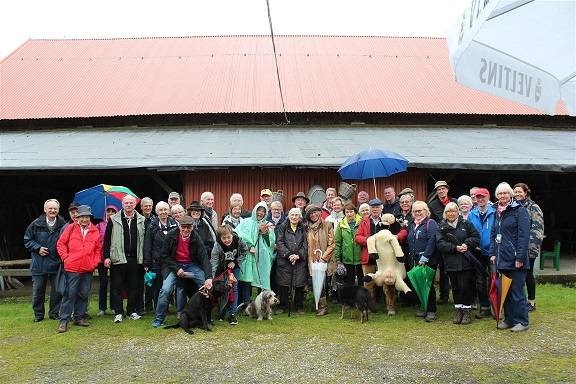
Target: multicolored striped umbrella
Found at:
101, 196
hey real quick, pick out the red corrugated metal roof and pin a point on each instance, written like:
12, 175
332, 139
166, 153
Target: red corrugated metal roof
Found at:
235, 74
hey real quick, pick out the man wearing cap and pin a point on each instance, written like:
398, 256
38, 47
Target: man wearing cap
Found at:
80, 249
40, 240
72, 212
123, 254
202, 226
369, 226
391, 203
436, 207
266, 196
482, 217
300, 200
173, 199
183, 256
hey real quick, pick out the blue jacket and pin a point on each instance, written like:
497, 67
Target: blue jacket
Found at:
36, 236
422, 244
514, 228
484, 229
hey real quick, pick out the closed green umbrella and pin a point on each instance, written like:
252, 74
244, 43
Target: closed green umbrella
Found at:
422, 278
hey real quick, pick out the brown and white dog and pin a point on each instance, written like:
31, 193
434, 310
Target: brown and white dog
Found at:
261, 307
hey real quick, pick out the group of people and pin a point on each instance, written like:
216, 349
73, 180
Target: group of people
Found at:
170, 251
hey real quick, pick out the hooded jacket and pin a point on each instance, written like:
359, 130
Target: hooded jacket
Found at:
347, 250
513, 226
80, 254
484, 228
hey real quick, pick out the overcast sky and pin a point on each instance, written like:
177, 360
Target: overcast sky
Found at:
24, 19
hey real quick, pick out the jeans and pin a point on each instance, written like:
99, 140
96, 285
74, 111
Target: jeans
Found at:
515, 305
76, 296
234, 303
39, 295
194, 272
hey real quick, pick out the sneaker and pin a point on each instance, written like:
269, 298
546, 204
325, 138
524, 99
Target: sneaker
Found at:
118, 318
430, 317
233, 320
135, 316
519, 328
156, 324
420, 313
101, 313
503, 325
531, 307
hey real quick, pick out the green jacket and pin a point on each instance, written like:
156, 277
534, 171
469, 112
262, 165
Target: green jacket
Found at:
117, 255
347, 250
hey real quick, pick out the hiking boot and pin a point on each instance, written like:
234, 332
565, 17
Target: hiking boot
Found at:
531, 307
503, 325
519, 328
420, 313
82, 323
484, 313
458, 313
118, 318
465, 316
233, 320
430, 317
63, 327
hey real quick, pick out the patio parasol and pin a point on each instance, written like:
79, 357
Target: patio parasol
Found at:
371, 164
318, 276
101, 196
521, 50
422, 278
499, 287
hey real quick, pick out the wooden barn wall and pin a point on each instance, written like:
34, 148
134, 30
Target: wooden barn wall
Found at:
249, 182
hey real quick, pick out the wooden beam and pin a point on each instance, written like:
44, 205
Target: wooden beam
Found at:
13, 263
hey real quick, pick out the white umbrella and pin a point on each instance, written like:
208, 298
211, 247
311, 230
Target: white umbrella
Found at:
318, 276
521, 50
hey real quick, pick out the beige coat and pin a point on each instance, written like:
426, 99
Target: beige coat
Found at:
314, 244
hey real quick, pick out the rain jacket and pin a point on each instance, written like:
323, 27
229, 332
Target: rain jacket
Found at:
422, 244
485, 229
291, 242
448, 237
536, 227
80, 254
36, 236
347, 250
513, 226
255, 268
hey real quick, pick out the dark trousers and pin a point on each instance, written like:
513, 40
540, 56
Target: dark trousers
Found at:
463, 286
353, 273
75, 300
444, 280
39, 295
103, 287
530, 282
126, 278
515, 306
482, 283
298, 299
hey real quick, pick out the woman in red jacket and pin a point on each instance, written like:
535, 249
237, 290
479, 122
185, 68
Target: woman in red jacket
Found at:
80, 249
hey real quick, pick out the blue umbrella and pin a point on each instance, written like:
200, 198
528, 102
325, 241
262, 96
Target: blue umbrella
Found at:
101, 196
371, 164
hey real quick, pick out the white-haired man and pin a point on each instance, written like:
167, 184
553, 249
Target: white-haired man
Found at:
40, 240
123, 254
207, 201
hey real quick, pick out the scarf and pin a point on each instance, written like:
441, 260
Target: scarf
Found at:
418, 221
318, 232
445, 200
502, 208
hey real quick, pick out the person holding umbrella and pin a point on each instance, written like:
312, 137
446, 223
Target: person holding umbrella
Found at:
422, 251
509, 242
455, 240
320, 237
80, 249
291, 268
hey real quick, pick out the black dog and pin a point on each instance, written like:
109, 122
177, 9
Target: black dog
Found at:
197, 311
353, 296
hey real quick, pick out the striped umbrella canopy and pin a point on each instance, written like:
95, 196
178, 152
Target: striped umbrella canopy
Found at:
103, 195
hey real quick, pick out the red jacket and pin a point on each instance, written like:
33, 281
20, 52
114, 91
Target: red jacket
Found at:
80, 255
363, 233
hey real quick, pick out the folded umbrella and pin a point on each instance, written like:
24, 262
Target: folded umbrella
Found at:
318, 276
499, 287
422, 278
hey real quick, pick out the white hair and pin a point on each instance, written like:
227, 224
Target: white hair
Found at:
52, 201
295, 211
464, 198
504, 187
418, 204
177, 207
234, 196
204, 195
362, 206
276, 203
146, 200
450, 207
128, 197
161, 204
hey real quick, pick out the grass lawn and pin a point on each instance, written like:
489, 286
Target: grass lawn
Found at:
400, 349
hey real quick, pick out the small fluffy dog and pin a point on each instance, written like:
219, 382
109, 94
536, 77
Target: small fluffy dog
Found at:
353, 296
261, 307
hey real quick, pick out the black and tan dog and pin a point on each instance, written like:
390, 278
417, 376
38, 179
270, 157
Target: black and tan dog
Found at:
197, 311
353, 296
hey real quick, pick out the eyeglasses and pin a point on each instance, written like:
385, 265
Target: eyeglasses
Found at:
417, 210
404, 202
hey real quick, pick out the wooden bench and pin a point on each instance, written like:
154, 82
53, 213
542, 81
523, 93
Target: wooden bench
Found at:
8, 274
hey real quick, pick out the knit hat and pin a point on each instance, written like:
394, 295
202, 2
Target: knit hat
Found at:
311, 208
